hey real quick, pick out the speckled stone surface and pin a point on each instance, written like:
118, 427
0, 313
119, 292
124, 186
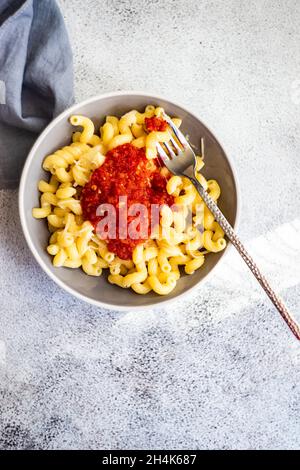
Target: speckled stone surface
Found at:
220, 370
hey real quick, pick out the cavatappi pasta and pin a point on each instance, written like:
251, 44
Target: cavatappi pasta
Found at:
157, 263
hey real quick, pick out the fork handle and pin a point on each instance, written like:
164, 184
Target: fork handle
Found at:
223, 222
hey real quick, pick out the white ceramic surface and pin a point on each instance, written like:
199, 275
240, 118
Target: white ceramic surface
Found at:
97, 290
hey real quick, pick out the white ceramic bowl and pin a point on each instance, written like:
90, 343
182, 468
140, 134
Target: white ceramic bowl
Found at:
97, 290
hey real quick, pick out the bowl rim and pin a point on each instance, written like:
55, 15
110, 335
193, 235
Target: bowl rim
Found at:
164, 301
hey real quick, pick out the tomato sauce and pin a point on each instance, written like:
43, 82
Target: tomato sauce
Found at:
125, 172
156, 124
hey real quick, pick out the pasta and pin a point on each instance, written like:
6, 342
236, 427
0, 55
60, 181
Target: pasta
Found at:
178, 242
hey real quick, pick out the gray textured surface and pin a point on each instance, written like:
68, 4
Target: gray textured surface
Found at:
219, 371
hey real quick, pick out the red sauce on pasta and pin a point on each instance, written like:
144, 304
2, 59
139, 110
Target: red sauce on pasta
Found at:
156, 124
125, 172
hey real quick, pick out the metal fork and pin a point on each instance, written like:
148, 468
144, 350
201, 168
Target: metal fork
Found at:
180, 159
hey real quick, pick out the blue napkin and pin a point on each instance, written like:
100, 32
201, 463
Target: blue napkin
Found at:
36, 78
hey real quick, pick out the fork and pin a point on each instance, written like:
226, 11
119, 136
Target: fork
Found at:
179, 157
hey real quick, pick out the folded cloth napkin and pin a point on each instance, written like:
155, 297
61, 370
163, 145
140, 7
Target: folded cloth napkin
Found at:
36, 78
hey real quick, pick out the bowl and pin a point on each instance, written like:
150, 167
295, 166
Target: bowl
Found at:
97, 290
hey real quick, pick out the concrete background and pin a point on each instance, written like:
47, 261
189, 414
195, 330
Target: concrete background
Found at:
219, 371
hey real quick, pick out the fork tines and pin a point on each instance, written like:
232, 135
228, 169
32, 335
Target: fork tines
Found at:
162, 153
179, 135
173, 148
